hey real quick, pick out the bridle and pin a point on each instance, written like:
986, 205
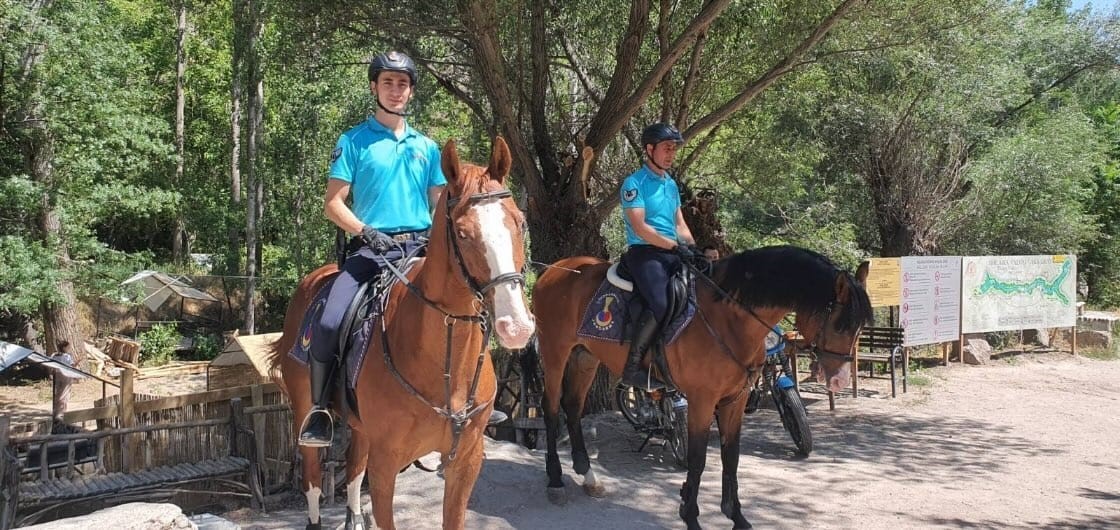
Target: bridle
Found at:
481, 317
821, 353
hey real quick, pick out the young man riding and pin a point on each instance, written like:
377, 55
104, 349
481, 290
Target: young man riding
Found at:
658, 240
393, 173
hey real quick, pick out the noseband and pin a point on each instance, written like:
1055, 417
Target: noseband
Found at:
821, 353
509, 277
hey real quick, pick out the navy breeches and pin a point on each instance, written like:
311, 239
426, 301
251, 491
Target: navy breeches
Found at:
360, 266
652, 268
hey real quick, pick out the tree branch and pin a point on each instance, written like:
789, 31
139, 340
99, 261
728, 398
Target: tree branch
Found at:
542, 141
778, 70
691, 78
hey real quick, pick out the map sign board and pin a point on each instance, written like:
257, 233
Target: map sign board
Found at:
1003, 293
930, 306
884, 281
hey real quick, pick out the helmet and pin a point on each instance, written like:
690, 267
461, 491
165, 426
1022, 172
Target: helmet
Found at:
393, 62
660, 132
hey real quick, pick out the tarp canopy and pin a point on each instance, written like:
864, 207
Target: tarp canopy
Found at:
10, 354
158, 287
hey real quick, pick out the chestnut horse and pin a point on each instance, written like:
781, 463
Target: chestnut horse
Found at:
433, 389
713, 361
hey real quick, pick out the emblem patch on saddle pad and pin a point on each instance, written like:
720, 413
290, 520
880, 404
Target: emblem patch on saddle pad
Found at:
606, 316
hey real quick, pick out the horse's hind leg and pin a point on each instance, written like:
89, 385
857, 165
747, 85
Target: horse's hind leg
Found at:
582, 368
357, 456
459, 476
554, 359
311, 480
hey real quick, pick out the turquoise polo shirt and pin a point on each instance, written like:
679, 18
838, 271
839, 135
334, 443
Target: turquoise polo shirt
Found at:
660, 198
389, 176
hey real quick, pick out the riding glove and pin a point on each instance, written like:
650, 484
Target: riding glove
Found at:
376, 239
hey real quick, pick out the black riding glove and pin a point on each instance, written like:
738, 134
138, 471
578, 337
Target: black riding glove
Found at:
684, 252
376, 240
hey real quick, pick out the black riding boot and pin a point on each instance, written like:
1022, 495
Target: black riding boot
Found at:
318, 427
644, 333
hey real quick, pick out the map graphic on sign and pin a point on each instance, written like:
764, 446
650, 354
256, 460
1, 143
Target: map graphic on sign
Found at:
1003, 293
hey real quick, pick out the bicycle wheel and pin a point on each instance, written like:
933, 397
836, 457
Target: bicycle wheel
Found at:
676, 431
630, 401
795, 419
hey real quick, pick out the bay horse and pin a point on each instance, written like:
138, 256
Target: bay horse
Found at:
427, 383
715, 358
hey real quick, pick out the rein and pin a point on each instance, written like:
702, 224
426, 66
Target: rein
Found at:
458, 418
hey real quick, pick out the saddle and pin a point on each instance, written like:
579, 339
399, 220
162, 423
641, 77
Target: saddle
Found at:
681, 299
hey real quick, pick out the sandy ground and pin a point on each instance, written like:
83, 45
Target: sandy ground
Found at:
1030, 442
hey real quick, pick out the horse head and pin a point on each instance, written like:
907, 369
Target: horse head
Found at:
832, 334
486, 232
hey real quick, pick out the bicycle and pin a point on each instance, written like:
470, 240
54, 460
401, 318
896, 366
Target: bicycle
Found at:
657, 412
776, 381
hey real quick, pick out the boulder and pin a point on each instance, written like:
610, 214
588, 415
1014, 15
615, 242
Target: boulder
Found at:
131, 516
1036, 336
977, 351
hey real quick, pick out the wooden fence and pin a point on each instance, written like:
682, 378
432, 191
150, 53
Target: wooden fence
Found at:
200, 435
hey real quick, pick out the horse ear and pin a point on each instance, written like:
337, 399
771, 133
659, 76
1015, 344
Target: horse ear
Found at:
861, 272
843, 290
449, 162
500, 160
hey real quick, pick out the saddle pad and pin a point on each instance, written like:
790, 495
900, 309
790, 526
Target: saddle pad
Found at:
359, 337
608, 313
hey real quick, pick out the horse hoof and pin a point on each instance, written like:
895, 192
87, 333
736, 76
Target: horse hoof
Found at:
597, 491
558, 496
314, 526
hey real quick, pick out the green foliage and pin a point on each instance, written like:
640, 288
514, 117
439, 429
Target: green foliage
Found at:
157, 345
207, 347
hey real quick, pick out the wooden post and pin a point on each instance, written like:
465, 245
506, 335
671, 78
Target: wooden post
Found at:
126, 416
236, 420
8, 490
259, 425
1073, 339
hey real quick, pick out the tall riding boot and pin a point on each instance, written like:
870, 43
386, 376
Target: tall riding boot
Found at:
318, 427
645, 331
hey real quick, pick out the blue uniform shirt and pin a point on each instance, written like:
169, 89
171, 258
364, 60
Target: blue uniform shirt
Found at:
389, 177
660, 198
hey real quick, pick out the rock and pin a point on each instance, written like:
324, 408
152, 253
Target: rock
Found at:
977, 351
209, 521
131, 516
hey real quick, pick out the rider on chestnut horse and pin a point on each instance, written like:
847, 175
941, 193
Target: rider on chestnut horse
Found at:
658, 239
394, 175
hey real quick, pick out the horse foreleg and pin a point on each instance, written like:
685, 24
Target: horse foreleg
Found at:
699, 420
730, 420
581, 374
357, 456
312, 480
459, 476
382, 484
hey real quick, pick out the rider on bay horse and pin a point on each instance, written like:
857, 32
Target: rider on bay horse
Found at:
393, 173
658, 239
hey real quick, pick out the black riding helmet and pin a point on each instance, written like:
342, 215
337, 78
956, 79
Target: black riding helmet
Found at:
393, 62
660, 132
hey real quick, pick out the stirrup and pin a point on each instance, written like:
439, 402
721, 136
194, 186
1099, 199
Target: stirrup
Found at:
303, 429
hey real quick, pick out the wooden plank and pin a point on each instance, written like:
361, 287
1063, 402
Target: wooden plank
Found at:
127, 417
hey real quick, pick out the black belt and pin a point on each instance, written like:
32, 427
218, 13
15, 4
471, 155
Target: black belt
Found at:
356, 242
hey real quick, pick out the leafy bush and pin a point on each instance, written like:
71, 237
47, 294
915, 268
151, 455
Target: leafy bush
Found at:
207, 347
158, 345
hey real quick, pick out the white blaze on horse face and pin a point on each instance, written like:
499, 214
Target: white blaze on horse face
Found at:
511, 318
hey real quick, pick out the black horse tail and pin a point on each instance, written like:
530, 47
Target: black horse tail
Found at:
530, 361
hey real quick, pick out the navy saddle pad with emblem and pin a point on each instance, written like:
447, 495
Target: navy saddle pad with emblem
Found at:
360, 334
608, 313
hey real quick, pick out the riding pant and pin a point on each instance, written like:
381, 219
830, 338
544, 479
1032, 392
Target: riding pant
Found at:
652, 268
362, 264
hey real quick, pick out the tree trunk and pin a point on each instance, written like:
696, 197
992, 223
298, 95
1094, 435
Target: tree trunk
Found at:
253, 184
237, 59
179, 245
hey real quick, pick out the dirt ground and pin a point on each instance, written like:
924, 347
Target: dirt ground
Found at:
1029, 441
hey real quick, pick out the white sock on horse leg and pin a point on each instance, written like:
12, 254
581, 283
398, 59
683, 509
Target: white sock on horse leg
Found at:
354, 494
313, 504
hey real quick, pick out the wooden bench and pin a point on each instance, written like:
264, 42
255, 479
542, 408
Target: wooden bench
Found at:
881, 345
67, 483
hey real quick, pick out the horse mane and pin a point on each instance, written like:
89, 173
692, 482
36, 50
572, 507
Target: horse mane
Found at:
793, 277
